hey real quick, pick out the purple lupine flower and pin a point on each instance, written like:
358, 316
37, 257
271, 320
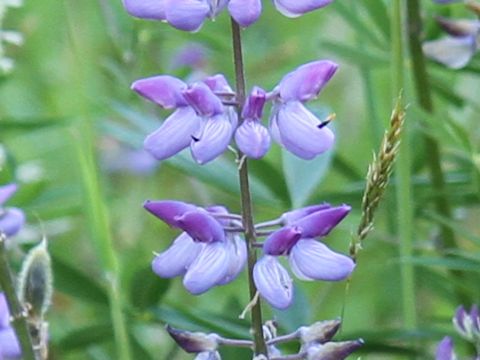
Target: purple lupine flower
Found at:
199, 121
252, 137
292, 125
189, 15
11, 219
333, 350
204, 254
457, 49
9, 346
445, 350
467, 324
309, 259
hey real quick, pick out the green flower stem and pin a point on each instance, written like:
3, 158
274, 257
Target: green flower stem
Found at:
424, 98
99, 226
404, 190
247, 211
17, 312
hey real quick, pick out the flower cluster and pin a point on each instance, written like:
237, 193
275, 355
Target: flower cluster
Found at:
467, 325
205, 119
211, 252
9, 346
457, 48
205, 254
309, 259
189, 15
316, 342
11, 219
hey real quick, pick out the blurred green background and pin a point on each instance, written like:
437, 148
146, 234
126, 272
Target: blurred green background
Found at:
67, 114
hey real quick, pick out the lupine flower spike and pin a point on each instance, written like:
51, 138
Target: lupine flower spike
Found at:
189, 15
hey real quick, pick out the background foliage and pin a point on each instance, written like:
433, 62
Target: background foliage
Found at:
67, 110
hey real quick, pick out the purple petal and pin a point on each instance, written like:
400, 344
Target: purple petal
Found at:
9, 346
445, 349
174, 135
6, 192
146, 9
208, 355
281, 241
253, 108
462, 27
201, 226
290, 216
321, 222
218, 83
168, 210
177, 258
213, 139
203, 100
453, 52
193, 342
300, 132
253, 139
187, 15
474, 317
209, 268
163, 90
245, 12
11, 221
295, 8
310, 259
307, 81
193, 55
273, 282
4, 312
237, 250
459, 319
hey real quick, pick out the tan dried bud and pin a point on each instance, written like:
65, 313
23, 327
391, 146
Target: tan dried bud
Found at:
319, 332
193, 342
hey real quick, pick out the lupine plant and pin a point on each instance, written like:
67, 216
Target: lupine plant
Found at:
203, 172
216, 245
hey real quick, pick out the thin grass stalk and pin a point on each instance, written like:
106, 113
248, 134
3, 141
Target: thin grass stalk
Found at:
432, 148
246, 200
97, 216
405, 210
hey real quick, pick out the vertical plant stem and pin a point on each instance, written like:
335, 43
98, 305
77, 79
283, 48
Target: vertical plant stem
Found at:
403, 177
95, 207
247, 211
424, 98
101, 236
17, 312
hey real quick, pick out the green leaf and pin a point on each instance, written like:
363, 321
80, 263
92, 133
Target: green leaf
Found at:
87, 336
453, 225
378, 13
304, 176
223, 174
147, 289
197, 320
76, 284
364, 57
447, 263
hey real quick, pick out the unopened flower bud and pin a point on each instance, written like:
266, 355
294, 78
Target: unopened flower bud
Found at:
35, 281
194, 342
467, 324
208, 355
333, 350
319, 332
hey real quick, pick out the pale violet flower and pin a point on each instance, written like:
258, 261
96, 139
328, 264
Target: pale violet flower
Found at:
189, 15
